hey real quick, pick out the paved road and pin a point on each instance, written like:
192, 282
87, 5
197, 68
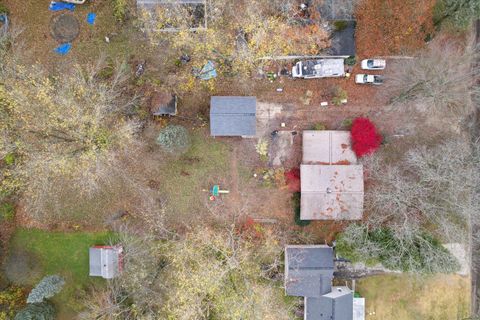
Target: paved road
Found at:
475, 272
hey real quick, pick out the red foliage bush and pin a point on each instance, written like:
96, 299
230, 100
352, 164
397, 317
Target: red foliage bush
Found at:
292, 178
365, 139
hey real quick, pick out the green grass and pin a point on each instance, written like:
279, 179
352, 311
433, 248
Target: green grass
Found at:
65, 254
408, 297
204, 164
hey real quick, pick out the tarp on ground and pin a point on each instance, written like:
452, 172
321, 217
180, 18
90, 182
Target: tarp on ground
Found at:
207, 72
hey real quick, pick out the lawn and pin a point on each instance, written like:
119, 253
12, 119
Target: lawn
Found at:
403, 297
204, 164
65, 254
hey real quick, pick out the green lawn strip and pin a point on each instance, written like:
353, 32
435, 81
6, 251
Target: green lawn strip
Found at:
406, 296
204, 164
65, 254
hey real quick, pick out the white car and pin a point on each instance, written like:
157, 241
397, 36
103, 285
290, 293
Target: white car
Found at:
373, 64
368, 79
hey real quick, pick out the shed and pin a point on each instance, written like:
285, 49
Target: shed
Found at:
327, 147
233, 116
331, 192
163, 104
105, 261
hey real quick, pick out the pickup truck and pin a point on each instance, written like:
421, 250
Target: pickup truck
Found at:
368, 79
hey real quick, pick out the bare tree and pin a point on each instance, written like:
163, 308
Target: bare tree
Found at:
440, 80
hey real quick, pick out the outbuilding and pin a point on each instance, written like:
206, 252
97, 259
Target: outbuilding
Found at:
232, 116
105, 261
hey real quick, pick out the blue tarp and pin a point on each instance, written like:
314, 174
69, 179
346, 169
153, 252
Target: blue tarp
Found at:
91, 18
4, 23
58, 6
63, 49
208, 71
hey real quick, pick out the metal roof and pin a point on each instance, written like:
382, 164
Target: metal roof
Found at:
327, 147
323, 68
331, 192
233, 116
104, 262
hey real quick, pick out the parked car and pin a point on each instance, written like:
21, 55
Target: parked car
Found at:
368, 79
373, 64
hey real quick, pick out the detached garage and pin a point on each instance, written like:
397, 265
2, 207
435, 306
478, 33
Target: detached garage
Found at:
233, 116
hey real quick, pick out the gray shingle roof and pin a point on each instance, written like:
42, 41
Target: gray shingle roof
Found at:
309, 270
233, 116
334, 306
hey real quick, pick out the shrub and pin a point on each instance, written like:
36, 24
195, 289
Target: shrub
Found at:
46, 288
7, 211
174, 139
350, 61
292, 178
37, 311
3, 9
11, 299
347, 123
456, 15
262, 149
340, 95
296, 207
9, 159
340, 25
120, 9
365, 139
319, 126
420, 252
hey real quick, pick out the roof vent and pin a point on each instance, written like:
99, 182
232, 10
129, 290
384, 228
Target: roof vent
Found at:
329, 190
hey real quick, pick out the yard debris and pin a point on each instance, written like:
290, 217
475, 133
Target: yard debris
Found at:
59, 6
63, 49
91, 18
140, 69
207, 72
4, 21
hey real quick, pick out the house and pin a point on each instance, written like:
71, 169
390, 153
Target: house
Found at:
163, 104
105, 261
309, 274
320, 68
233, 116
331, 182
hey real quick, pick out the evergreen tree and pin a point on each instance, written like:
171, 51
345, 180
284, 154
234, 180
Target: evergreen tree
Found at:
47, 288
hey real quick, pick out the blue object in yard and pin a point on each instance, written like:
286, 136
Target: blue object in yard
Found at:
3, 23
91, 18
58, 6
208, 71
63, 49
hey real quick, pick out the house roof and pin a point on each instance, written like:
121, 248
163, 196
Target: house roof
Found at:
104, 262
343, 41
233, 116
331, 192
327, 147
163, 103
336, 305
308, 270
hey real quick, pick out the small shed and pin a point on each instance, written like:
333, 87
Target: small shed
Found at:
105, 261
163, 104
233, 116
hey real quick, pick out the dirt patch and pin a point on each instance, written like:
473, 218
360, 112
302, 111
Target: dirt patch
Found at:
281, 148
21, 267
65, 28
